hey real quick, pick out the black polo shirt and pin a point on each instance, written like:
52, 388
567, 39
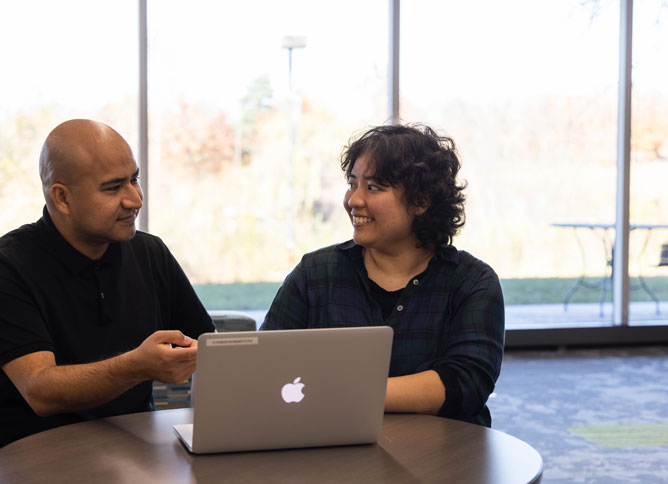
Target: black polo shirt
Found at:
53, 298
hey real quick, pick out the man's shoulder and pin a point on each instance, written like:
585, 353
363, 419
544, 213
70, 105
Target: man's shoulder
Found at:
146, 245
147, 250
26, 230
144, 239
24, 240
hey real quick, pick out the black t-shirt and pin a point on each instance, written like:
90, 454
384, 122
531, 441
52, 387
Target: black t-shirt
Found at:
385, 299
53, 298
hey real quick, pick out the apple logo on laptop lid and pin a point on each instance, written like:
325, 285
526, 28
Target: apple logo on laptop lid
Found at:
292, 392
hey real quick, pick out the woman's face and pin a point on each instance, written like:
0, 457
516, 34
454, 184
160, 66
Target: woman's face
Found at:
381, 220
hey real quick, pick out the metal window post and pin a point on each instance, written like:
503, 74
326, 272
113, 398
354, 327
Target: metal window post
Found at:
143, 113
620, 267
393, 63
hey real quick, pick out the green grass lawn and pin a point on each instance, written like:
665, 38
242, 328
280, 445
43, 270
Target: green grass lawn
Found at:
242, 295
554, 290
258, 295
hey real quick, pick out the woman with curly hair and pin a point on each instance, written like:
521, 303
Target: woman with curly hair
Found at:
401, 270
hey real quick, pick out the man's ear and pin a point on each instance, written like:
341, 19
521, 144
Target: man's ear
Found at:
60, 196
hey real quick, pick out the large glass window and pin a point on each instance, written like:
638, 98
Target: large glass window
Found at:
60, 60
249, 106
649, 162
528, 90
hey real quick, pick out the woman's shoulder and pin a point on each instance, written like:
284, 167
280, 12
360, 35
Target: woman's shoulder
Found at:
468, 259
335, 250
465, 265
332, 255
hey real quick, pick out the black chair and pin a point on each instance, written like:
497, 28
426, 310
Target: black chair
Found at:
169, 395
232, 321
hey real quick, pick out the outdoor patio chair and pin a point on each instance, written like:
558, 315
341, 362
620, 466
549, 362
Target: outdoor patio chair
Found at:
663, 260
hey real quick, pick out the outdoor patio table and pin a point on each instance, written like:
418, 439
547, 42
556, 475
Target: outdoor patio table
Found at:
602, 231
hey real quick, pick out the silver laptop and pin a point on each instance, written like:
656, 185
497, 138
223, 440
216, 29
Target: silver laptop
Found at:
288, 389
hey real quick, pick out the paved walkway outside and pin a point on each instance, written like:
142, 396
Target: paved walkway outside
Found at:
553, 315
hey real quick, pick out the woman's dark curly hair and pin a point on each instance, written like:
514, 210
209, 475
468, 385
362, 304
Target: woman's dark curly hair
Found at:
426, 166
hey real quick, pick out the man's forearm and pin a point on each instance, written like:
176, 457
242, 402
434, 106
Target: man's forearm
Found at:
70, 388
418, 393
169, 356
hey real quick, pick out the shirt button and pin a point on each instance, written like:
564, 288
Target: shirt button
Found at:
415, 282
400, 307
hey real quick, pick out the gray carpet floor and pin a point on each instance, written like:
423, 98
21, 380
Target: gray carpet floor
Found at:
595, 415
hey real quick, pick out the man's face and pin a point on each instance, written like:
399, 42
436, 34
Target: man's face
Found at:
106, 196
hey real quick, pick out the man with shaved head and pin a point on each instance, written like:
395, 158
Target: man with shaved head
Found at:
91, 311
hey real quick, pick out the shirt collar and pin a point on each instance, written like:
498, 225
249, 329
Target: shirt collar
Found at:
445, 253
71, 258
350, 244
353, 250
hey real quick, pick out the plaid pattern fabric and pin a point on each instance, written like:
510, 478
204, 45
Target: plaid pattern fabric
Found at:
450, 318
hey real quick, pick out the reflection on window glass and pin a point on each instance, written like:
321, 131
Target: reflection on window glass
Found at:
60, 60
246, 127
531, 100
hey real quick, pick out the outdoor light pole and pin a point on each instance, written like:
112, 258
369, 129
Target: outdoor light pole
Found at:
291, 42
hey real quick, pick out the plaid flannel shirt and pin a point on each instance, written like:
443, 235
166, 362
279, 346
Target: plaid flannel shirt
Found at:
449, 319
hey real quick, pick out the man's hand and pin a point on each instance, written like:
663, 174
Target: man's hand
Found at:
157, 359
50, 389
